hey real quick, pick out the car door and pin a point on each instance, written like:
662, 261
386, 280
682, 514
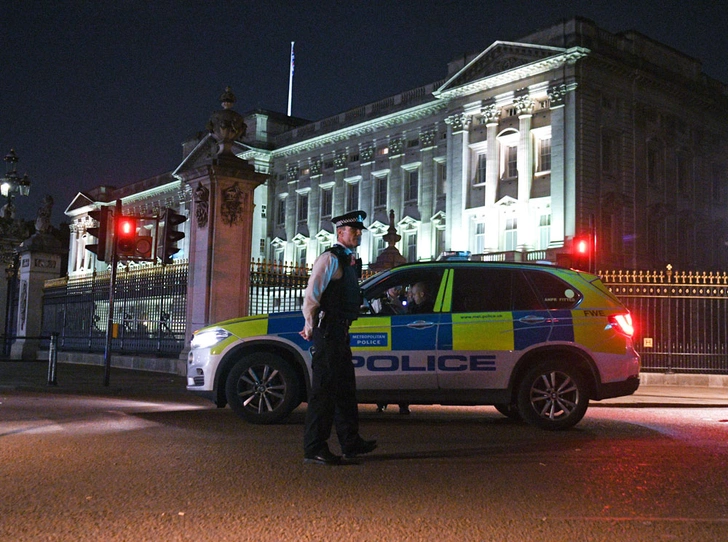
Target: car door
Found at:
397, 351
491, 315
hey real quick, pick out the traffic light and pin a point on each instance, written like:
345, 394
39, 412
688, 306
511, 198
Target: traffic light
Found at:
168, 235
104, 217
129, 244
583, 253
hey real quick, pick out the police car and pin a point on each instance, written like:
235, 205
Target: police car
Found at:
536, 341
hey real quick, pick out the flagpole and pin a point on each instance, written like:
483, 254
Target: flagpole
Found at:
290, 82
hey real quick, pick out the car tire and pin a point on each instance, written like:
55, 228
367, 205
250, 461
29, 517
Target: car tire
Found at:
553, 395
262, 388
509, 410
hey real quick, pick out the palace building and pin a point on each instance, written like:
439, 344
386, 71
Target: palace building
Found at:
520, 149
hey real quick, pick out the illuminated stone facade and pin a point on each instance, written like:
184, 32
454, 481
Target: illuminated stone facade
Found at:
516, 152
511, 156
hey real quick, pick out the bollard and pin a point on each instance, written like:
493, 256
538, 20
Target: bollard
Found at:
53, 359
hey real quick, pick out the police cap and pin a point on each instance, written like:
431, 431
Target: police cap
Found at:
355, 219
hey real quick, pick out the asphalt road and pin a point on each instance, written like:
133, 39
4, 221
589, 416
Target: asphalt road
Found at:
143, 460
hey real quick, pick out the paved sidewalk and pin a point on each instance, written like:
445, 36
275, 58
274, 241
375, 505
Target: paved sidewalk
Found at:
73, 378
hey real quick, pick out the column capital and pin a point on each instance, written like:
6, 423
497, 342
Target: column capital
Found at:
524, 105
491, 113
459, 121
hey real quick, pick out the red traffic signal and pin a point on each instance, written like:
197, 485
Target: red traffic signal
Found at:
582, 246
582, 256
129, 244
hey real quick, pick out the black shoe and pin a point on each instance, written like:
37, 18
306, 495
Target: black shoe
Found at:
404, 409
361, 447
324, 457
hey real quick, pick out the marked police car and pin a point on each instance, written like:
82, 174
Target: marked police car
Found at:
536, 341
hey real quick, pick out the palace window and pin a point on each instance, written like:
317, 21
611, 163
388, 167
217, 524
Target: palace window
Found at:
379, 245
410, 239
481, 169
543, 155
510, 170
441, 177
439, 240
327, 202
508, 155
303, 207
352, 196
411, 186
380, 190
301, 252
479, 238
281, 212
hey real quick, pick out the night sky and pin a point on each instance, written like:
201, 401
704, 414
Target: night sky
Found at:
104, 92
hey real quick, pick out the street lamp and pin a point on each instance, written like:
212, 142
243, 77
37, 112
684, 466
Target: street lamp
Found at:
12, 184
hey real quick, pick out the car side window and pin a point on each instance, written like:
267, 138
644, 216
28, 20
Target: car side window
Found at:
410, 292
492, 290
555, 293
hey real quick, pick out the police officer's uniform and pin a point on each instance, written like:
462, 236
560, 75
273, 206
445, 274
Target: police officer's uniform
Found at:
332, 399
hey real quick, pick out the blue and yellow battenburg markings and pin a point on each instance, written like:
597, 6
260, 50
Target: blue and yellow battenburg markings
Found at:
462, 332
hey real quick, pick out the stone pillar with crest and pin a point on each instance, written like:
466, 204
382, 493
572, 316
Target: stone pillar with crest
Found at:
221, 223
39, 259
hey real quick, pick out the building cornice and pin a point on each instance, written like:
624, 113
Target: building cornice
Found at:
173, 187
366, 128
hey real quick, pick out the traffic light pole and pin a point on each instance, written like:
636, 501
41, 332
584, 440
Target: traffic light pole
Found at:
112, 287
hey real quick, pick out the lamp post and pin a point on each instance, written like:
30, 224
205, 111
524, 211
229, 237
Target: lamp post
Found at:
12, 184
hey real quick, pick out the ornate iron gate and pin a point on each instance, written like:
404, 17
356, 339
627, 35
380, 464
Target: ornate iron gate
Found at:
149, 310
681, 318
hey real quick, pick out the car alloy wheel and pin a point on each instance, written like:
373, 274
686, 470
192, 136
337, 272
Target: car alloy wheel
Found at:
262, 388
553, 395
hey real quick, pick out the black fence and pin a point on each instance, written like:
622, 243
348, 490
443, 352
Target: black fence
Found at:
681, 319
276, 287
149, 311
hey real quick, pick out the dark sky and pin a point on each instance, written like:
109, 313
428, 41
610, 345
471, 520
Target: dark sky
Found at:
104, 92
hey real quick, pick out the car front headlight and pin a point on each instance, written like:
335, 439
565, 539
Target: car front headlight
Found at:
209, 337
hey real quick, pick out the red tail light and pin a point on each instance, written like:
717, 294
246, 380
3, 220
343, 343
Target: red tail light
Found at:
622, 323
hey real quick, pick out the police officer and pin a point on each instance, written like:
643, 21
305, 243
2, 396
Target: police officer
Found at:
331, 301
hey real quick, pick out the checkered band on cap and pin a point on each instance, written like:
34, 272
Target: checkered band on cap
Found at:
354, 218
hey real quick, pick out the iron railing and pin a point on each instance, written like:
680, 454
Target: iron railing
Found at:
681, 318
149, 311
276, 287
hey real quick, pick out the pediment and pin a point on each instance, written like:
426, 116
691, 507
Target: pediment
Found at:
500, 57
80, 202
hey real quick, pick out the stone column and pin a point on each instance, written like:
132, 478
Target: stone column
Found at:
491, 114
525, 172
40, 260
221, 229
557, 95
457, 162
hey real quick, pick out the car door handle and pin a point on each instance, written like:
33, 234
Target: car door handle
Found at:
420, 324
533, 319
